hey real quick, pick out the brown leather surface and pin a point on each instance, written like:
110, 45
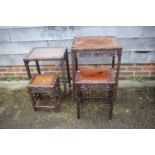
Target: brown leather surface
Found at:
94, 76
43, 80
95, 43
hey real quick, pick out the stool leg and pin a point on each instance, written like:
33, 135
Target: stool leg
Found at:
58, 107
40, 96
33, 100
57, 95
58, 85
55, 99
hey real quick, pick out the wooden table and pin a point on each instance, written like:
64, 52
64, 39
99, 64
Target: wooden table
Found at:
49, 54
94, 79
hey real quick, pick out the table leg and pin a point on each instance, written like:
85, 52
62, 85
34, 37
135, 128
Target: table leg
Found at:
73, 73
63, 76
117, 72
27, 68
77, 102
38, 68
73, 67
113, 61
67, 66
76, 63
111, 102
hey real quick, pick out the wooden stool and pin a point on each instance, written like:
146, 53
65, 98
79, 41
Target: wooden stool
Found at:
44, 85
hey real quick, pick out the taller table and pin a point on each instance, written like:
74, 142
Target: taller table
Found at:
87, 79
49, 54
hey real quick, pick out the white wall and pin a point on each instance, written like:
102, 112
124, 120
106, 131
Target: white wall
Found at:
15, 42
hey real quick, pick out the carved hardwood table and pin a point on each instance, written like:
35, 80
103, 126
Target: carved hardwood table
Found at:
44, 85
89, 83
50, 54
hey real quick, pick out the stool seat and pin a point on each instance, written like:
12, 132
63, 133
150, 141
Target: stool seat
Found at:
43, 81
94, 76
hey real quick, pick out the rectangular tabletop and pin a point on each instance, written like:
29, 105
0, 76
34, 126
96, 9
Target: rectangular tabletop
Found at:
45, 53
95, 43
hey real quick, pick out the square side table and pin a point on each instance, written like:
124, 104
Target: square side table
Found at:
49, 54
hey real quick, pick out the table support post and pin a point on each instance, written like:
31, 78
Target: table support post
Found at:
63, 76
38, 68
111, 102
119, 54
73, 67
67, 66
27, 68
113, 62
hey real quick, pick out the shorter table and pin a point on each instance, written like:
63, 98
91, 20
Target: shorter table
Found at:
52, 54
44, 85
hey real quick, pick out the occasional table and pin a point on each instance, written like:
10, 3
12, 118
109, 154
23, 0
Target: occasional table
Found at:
91, 83
50, 54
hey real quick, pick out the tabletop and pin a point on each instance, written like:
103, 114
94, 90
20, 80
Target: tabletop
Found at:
95, 43
46, 53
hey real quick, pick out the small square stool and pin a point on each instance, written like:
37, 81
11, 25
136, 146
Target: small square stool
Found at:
44, 85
